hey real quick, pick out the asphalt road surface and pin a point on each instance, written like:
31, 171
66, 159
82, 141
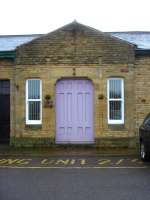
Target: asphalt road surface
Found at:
74, 178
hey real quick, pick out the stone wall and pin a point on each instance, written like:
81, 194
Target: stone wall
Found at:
98, 74
75, 51
75, 44
142, 88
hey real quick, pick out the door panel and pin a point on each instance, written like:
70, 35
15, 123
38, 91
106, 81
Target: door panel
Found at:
74, 111
4, 111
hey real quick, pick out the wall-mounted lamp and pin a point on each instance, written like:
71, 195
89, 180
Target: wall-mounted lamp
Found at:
100, 96
17, 86
48, 102
143, 100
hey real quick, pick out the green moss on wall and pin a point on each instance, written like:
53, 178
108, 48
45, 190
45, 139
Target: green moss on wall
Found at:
31, 142
50, 142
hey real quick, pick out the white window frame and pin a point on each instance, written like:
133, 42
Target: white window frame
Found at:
27, 107
120, 121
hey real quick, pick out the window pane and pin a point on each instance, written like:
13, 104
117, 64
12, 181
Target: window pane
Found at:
33, 89
4, 87
34, 110
114, 89
115, 110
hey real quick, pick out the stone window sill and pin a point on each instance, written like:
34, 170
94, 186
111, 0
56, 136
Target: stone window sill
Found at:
116, 127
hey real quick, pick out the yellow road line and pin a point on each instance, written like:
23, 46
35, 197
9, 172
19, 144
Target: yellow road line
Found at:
119, 161
135, 160
49, 167
104, 161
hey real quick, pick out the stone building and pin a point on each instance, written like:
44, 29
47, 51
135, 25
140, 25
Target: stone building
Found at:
75, 85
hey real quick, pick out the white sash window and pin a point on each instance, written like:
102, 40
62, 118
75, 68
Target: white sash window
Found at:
115, 94
33, 101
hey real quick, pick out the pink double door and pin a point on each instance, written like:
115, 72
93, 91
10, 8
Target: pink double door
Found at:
74, 111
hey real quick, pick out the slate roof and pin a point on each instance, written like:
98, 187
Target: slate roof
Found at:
141, 39
10, 42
